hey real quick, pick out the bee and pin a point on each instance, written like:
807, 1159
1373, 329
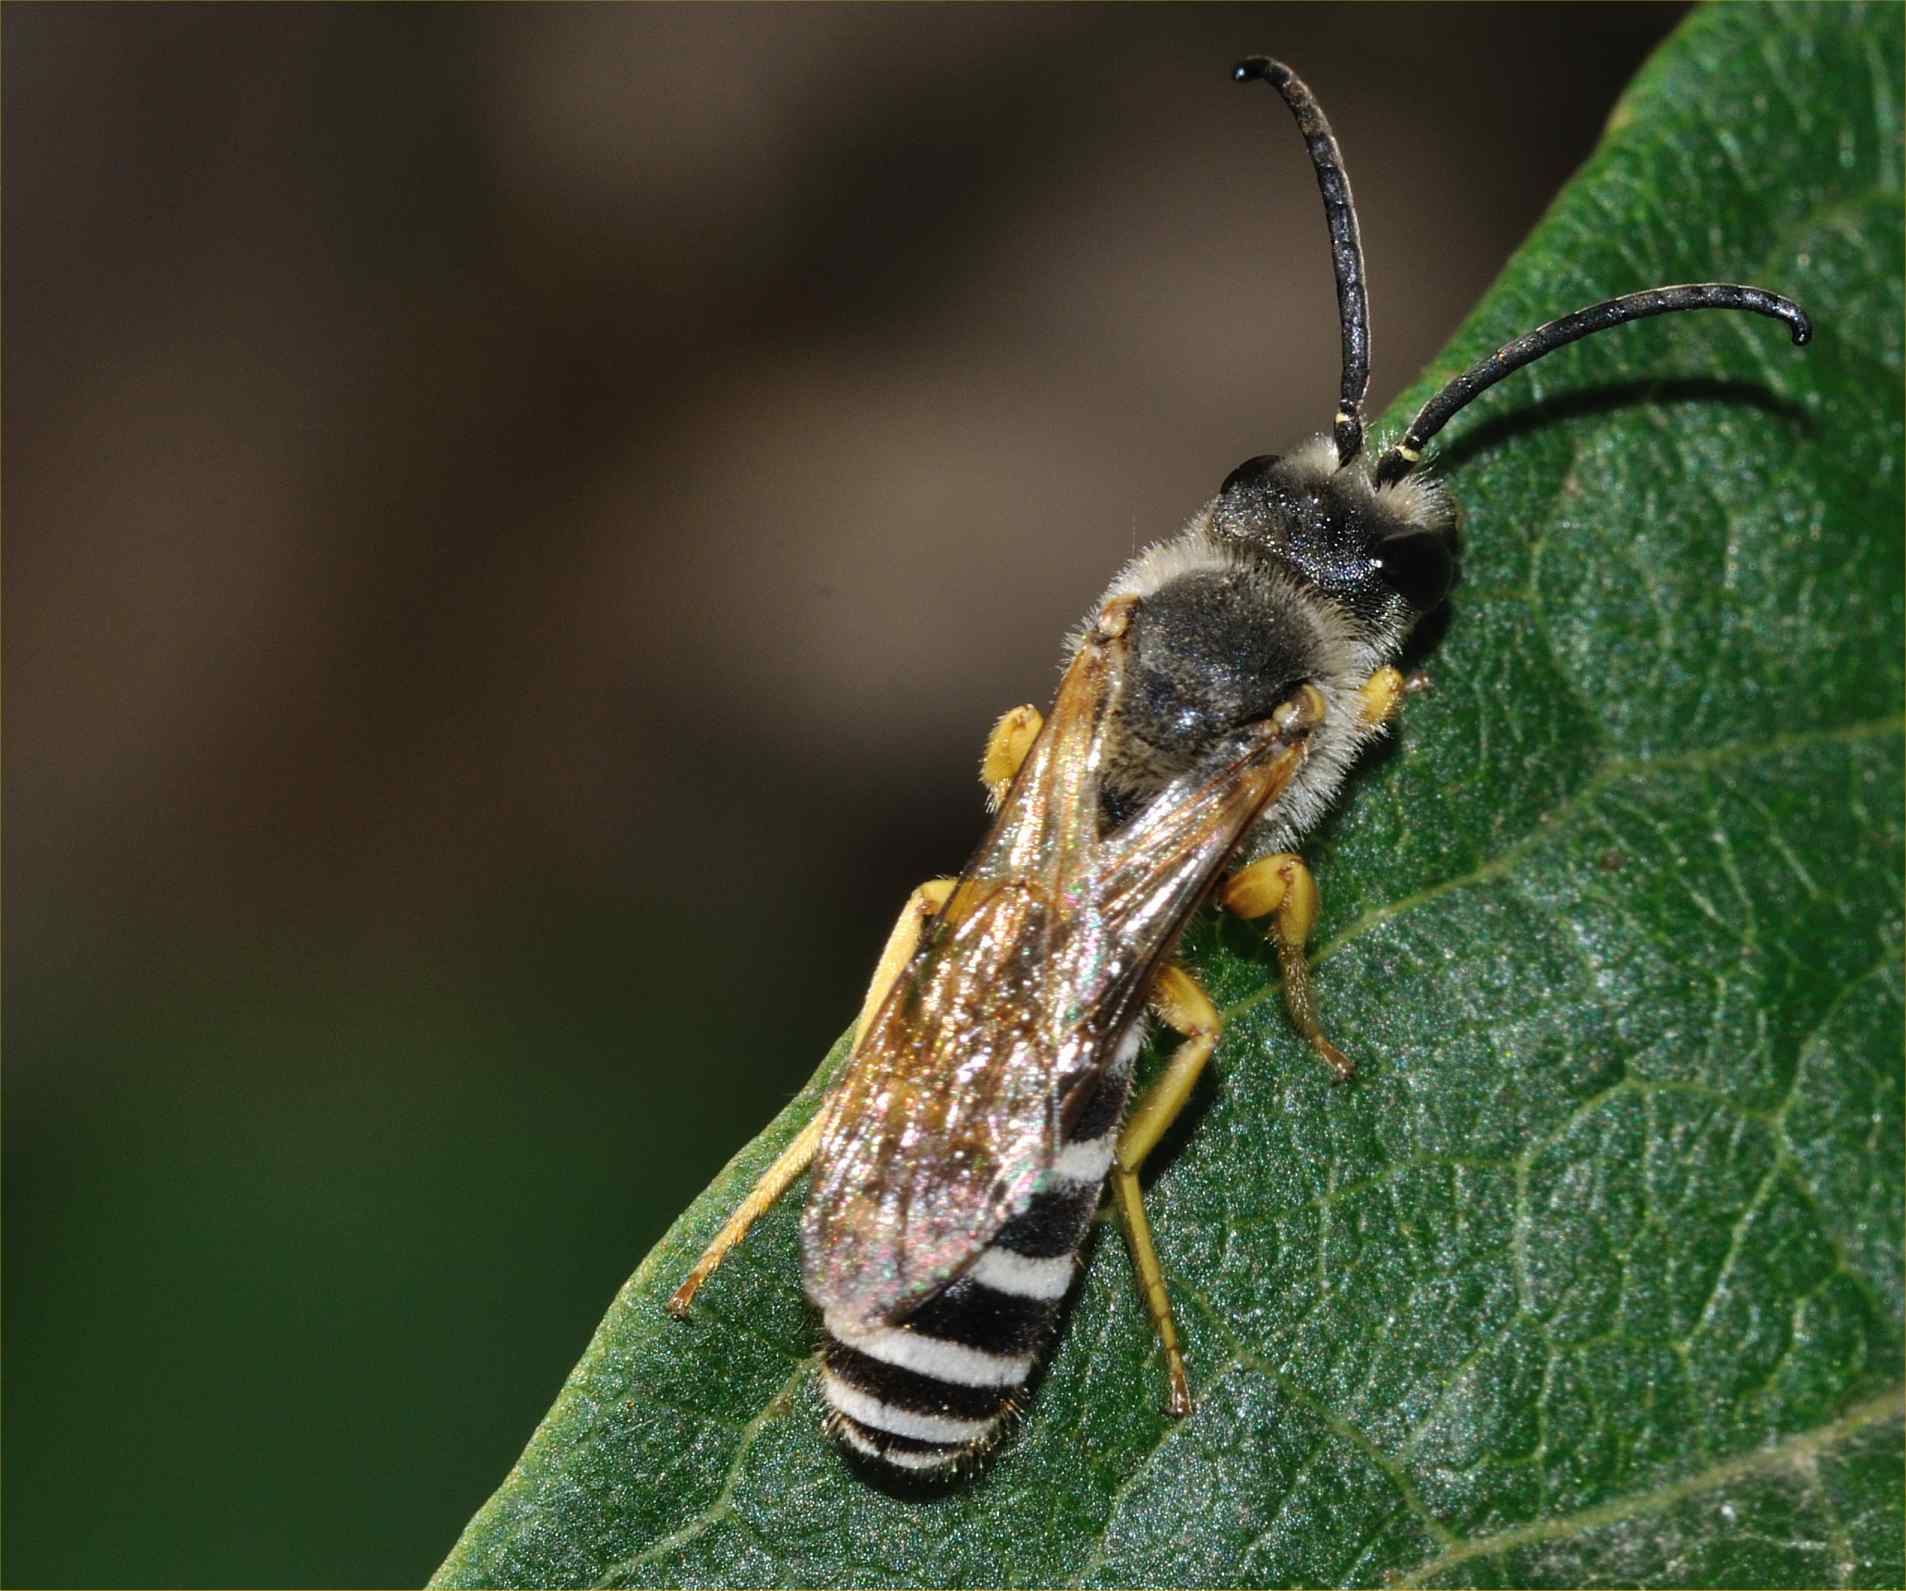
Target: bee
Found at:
1213, 701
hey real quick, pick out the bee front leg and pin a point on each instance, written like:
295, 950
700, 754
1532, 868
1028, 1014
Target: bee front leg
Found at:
923, 903
1280, 887
1379, 697
1187, 1010
1006, 749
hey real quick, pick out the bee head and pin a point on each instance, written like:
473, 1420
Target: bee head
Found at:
1373, 535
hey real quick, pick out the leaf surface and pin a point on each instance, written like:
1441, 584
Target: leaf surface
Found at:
1594, 1275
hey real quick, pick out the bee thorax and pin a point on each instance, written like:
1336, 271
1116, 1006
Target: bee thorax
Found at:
1297, 574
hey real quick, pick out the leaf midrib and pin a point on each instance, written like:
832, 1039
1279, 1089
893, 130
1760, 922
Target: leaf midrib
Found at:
1793, 1452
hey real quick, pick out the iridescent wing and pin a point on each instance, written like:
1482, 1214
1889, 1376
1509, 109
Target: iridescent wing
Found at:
951, 1107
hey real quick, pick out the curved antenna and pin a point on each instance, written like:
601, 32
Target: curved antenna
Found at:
1532, 345
1346, 248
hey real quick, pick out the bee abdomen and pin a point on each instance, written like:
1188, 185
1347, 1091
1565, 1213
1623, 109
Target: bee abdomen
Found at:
938, 1386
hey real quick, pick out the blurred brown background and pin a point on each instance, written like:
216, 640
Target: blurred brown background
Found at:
517, 523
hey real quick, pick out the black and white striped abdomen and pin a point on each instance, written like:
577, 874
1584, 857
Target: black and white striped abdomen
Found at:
937, 1387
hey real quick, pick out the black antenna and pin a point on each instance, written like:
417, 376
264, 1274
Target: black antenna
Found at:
1346, 248
1531, 346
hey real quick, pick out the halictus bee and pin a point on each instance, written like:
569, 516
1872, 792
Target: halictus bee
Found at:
1213, 700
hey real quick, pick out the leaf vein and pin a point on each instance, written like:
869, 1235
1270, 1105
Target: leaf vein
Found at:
724, 1502
1793, 1453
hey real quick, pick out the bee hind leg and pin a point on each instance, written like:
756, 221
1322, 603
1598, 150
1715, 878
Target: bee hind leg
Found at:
1280, 887
1188, 1011
923, 903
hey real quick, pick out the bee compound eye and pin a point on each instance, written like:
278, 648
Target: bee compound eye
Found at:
1249, 473
1417, 566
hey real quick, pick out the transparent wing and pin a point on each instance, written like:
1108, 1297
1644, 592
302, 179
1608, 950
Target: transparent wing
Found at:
951, 1107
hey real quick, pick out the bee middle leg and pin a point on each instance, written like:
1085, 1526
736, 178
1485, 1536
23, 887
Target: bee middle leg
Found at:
1188, 1011
1280, 887
923, 903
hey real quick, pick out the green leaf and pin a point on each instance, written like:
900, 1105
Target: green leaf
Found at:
1594, 1275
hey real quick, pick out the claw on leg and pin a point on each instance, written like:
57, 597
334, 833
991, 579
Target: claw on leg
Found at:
1151, 1287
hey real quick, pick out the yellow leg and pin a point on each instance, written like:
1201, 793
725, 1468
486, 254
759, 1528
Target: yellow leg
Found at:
923, 903
1187, 1009
1280, 887
792, 1161
788, 1165
1381, 695
1383, 692
1006, 749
